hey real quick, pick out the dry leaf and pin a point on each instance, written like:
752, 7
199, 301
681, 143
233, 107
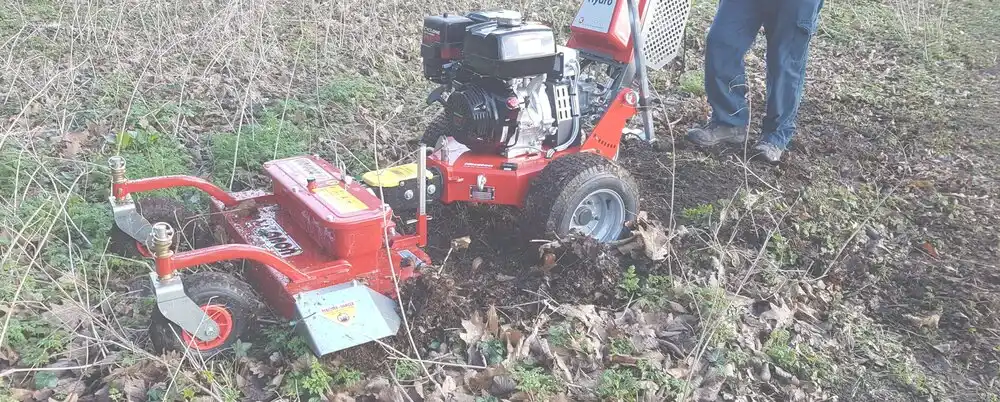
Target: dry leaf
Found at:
474, 329
66, 315
930, 322
340, 397
476, 263
929, 249
134, 389
587, 314
481, 380
806, 313
512, 336
492, 322
656, 243
461, 243
449, 386
548, 262
20, 394
782, 315
650, 237
73, 143
418, 387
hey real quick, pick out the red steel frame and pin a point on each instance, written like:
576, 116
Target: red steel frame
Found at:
279, 278
459, 175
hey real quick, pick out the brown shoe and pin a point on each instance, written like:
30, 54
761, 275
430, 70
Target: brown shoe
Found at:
714, 134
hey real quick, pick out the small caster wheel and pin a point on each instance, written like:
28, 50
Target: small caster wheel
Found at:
192, 231
582, 192
228, 301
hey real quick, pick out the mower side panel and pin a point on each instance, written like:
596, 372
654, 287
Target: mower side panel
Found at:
506, 179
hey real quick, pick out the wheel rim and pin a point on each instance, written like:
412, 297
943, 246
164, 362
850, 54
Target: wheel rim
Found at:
600, 215
222, 318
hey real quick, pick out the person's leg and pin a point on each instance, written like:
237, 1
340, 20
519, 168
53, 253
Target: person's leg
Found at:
733, 31
788, 34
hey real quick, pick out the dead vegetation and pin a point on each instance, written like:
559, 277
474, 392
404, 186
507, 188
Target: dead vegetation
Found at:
864, 268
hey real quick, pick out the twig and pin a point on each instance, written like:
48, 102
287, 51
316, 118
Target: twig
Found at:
445, 261
395, 274
392, 374
41, 369
458, 365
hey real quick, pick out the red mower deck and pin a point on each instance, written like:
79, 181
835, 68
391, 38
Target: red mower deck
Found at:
334, 236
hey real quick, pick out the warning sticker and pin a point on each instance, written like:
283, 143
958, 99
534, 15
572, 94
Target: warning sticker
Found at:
342, 314
340, 199
303, 168
596, 15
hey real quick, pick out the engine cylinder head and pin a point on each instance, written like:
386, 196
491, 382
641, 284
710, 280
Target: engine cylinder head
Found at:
473, 115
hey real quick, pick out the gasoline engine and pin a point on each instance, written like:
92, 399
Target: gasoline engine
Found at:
507, 88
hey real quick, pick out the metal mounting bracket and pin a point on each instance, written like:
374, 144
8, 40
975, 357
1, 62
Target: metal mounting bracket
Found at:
177, 307
130, 221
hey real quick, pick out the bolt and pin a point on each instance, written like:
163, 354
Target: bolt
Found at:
431, 189
481, 182
408, 194
163, 237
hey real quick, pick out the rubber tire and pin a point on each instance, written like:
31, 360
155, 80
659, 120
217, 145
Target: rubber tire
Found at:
437, 128
171, 211
562, 185
208, 288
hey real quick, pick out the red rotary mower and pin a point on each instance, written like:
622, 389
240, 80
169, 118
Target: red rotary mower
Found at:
525, 123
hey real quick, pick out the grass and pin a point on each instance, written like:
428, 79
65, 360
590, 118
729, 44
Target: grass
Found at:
149, 154
239, 156
693, 82
406, 370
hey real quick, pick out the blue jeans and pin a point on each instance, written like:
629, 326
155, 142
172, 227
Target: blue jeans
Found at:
788, 27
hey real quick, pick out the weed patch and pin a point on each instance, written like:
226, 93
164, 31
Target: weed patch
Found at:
239, 157
618, 385
693, 82
350, 91
35, 341
536, 382
148, 154
799, 359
